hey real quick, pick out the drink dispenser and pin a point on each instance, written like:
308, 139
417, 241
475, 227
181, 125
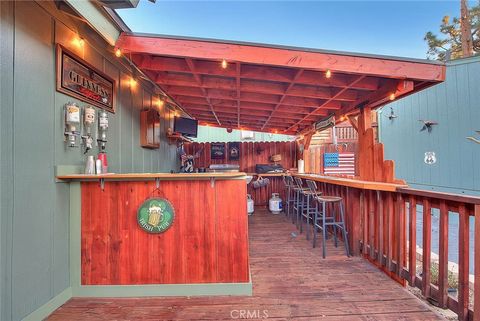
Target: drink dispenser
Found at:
88, 121
72, 123
102, 130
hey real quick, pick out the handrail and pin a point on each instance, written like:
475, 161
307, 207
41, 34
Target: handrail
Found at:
382, 227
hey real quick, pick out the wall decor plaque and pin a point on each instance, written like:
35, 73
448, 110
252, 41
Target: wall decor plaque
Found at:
217, 151
79, 79
155, 215
234, 151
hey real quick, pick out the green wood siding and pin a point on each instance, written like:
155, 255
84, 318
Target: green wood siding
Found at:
34, 234
215, 134
455, 105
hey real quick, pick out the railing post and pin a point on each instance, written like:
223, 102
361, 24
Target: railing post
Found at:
412, 231
443, 253
427, 247
476, 302
463, 266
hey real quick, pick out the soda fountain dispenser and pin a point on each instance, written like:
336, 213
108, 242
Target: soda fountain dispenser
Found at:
72, 123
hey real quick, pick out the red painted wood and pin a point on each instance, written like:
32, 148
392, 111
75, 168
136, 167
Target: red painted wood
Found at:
412, 245
476, 302
115, 250
463, 259
427, 247
443, 260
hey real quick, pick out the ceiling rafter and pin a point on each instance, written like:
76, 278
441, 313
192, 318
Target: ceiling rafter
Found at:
237, 79
359, 78
191, 66
292, 83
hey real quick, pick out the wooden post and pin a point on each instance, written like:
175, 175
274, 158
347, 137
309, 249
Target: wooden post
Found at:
443, 262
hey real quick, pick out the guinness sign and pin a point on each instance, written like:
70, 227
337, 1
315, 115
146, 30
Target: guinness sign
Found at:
78, 79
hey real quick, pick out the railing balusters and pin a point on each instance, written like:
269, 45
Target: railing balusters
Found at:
390, 223
443, 253
380, 227
371, 225
427, 247
412, 231
400, 234
463, 266
364, 213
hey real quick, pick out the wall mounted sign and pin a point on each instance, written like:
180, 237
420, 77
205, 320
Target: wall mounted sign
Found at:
217, 151
155, 215
77, 78
430, 158
234, 151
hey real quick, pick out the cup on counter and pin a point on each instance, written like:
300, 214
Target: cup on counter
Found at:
90, 165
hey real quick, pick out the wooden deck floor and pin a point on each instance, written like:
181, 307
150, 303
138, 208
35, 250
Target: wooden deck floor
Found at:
290, 282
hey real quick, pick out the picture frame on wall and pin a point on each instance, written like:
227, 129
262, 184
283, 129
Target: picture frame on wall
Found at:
79, 79
234, 151
217, 151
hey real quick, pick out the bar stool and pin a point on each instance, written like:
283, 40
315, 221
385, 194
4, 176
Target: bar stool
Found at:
327, 216
290, 194
303, 201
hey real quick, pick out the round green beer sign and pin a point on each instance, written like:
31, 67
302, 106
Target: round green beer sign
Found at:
155, 215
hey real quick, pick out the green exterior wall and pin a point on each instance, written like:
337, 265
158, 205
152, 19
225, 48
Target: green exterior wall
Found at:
208, 134
34, 233
455, 105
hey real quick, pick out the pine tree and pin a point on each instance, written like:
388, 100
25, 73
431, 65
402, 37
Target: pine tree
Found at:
449, 44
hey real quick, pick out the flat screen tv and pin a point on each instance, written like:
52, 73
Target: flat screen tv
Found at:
185, 126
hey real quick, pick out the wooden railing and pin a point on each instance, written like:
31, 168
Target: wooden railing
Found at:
382, 227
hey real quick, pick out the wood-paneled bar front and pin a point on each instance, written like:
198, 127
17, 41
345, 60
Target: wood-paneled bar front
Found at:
207, 242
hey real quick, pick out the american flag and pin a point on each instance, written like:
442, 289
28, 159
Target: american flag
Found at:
339, 163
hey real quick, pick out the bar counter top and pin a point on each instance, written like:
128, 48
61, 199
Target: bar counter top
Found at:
352, 182
152, 176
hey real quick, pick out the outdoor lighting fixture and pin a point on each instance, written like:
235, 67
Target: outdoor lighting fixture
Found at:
118, 52
78, 41
160, 102
392, 96
328, 73
133, 82
224, 64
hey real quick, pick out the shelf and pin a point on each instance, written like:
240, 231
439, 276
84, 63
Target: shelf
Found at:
175, 137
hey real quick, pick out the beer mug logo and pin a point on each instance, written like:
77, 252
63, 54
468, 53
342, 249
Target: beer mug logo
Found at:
155, 215
430, 158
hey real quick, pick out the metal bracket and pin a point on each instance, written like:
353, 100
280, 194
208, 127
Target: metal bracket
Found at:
157, 182
212, 182
102, 184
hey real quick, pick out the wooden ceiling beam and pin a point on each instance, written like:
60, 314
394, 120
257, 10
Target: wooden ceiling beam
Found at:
339, 93
238, 68
287, 90
282, 57
191, 66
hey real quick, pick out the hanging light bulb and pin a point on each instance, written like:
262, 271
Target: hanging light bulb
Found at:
78, 41
328, 73
224, 64
160, 103
118, 52
392, 96
133, 82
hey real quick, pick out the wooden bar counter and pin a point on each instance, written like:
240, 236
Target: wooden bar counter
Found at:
206, 244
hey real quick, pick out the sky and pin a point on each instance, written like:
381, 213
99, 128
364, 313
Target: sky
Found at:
376, 27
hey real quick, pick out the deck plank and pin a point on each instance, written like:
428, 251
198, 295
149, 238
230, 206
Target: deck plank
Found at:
290, 282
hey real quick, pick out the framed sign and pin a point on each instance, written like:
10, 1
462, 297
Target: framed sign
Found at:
155, 215
234, 151
79, 79
217, 151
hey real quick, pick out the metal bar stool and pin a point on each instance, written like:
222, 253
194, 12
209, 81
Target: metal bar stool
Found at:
314, 193
304, 198
290, 194
325, 218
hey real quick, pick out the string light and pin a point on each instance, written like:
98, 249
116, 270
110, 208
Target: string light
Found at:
160, 103
118, 52
392, 96
224, 64
78, 41
328, 73
133, 82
